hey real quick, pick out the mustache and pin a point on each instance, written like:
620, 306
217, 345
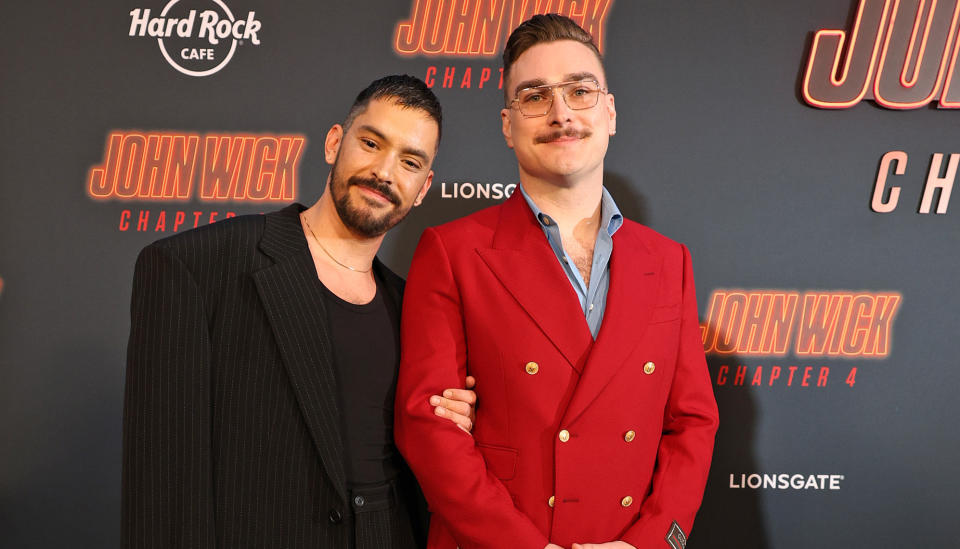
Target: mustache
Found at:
379, 186
557, 134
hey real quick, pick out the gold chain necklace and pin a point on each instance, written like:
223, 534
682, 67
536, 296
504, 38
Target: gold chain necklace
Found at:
309, 228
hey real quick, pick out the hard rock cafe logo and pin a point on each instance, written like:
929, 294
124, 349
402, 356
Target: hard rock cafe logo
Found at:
196, 42
900, 53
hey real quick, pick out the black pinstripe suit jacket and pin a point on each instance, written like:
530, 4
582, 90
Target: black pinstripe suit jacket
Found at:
231, 428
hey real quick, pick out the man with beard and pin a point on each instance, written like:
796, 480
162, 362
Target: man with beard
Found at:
263, 358
596, 414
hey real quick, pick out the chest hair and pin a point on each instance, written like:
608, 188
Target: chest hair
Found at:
580, 251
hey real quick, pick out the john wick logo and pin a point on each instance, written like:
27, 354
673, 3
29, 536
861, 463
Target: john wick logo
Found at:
167, 165
196, 42
178, 167
900, 53
479, 28
815, 325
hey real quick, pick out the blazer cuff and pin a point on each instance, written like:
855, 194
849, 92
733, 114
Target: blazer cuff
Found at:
660, 532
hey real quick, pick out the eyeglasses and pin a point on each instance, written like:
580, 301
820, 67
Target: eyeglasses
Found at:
577, 94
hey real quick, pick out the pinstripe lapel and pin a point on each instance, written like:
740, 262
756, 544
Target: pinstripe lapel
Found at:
294, 304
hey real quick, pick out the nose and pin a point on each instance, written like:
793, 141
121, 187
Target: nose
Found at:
383, 168
559, 112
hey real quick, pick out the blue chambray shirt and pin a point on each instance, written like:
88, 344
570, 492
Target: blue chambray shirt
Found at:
593, 300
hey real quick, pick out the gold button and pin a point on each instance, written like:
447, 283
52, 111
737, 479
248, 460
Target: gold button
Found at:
649, 367
564, 435
532, 368
550, 501
629, 436
627, 501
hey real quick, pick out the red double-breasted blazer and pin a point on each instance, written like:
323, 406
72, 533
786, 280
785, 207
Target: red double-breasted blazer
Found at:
575, 440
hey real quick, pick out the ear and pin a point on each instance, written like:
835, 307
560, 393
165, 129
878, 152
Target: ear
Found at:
505, 126
424, 189
331, 145
612, 113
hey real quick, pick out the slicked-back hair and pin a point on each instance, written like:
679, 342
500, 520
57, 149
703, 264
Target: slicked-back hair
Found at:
407, 91
539, 29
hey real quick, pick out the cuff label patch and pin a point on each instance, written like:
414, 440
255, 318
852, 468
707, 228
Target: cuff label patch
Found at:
676, 539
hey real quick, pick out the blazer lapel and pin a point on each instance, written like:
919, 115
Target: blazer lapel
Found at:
634, 282
522, 260
294, 304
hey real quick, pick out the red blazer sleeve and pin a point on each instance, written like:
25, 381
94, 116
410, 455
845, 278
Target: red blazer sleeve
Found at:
473, 504
686, 446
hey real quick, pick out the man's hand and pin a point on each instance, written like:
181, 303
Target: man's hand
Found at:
457, 405
552, 546
609, 545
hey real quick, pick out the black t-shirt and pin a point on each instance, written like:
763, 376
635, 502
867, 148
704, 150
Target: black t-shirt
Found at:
366, 349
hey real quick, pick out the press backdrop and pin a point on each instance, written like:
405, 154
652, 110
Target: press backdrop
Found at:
828, 297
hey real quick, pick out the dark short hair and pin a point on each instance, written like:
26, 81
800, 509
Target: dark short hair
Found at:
407, 91
543, 28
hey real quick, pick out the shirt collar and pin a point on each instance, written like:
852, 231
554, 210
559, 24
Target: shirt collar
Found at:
610, 216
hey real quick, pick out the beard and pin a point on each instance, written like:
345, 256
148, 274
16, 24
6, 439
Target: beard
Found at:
360, 218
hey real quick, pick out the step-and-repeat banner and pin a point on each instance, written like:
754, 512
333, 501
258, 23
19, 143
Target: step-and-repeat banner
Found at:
804, 151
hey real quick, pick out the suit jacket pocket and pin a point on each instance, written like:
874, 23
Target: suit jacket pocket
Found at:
501, 460
665, 313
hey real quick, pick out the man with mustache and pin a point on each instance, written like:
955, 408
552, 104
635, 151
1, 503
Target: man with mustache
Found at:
263, 357
596, 416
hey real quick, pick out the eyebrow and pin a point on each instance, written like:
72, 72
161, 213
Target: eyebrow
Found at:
405, 149
570, 77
